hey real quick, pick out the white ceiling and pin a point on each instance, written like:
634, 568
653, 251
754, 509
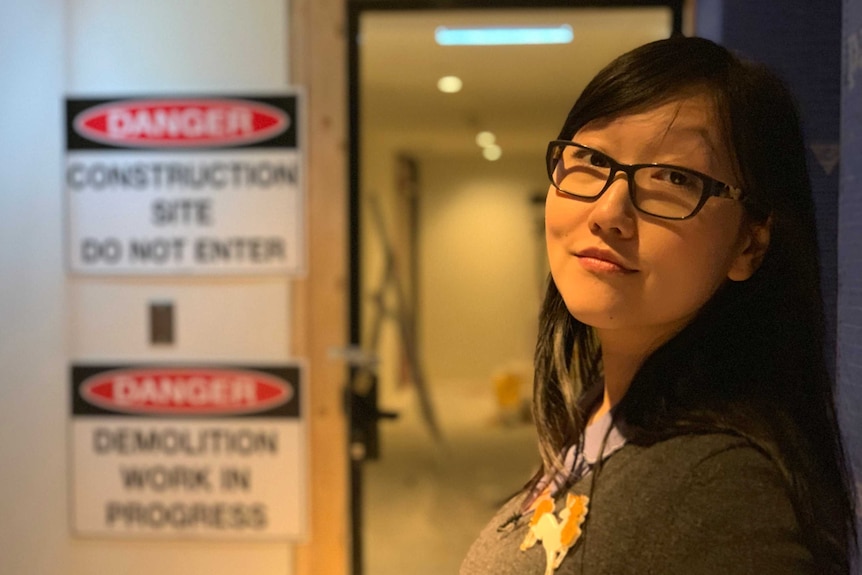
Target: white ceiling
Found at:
521, 93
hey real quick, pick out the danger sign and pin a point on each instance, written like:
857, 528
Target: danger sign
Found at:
185, 185
205, 452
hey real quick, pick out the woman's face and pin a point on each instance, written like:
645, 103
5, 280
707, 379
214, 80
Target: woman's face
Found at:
628, 273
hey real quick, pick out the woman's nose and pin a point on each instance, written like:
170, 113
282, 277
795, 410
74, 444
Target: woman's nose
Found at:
614, 213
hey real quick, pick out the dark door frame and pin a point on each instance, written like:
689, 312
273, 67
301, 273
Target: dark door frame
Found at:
363, 412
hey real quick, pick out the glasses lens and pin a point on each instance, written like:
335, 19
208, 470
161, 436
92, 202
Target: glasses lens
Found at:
578, 171
667, 191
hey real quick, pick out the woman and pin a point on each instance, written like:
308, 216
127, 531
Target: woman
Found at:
684, 408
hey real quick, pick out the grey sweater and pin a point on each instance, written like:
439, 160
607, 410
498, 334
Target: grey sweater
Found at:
693, 505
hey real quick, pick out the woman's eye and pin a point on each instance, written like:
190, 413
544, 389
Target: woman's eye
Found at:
599, 160
591, 158
677, 178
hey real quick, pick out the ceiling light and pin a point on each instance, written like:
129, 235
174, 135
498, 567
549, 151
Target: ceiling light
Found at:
496, 36
492, 152
485, 139
449, 84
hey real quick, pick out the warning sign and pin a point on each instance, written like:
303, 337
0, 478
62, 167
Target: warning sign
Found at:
205, 452
185, 186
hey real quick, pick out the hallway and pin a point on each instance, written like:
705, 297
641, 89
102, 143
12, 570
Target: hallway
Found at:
424, 502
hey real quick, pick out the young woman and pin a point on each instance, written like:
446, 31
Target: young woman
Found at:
684, 408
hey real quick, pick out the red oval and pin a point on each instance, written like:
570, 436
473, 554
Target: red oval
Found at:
168, 123
185, 391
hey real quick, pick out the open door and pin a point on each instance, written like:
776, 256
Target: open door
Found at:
447, 258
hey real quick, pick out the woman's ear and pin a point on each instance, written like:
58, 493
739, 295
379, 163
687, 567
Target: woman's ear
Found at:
754, 248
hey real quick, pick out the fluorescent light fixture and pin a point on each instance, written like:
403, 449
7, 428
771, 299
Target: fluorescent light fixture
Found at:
502, 35
449, 84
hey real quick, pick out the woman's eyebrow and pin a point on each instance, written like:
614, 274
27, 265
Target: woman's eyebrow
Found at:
701, 133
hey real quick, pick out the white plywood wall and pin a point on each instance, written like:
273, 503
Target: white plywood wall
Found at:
50, 48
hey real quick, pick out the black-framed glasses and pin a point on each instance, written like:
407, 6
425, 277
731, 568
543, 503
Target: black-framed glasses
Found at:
660, 190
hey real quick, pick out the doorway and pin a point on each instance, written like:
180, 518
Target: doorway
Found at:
447, 258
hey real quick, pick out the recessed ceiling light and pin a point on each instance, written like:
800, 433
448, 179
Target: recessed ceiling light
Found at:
449, 84
485, 139
500, 35
492, 152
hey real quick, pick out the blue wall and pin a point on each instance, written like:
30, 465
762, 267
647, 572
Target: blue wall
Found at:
850, 237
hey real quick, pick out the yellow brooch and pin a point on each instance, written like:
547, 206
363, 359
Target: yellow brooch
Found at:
557, 535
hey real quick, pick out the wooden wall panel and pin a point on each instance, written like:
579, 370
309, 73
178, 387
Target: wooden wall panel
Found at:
318, 64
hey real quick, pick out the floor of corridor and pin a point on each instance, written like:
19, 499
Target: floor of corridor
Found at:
425, 502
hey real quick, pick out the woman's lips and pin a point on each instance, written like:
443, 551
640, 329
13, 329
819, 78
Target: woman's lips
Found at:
602, 261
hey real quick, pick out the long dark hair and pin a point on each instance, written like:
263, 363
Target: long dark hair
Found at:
752, 362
